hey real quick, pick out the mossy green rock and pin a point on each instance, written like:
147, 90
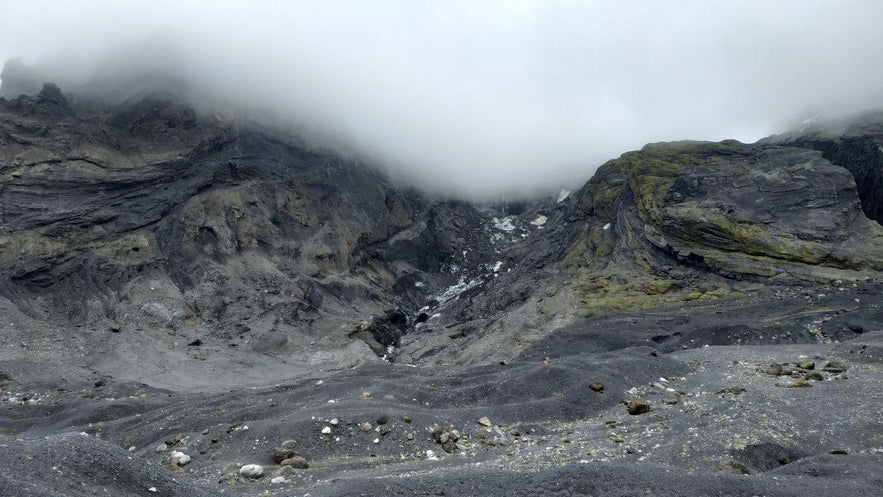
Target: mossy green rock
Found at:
742, 212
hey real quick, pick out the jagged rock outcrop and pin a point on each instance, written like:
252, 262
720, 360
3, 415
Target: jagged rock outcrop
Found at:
149, 216
656, 218
669, 224
856, 145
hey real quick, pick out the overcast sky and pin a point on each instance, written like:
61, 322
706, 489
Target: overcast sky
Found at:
485, 98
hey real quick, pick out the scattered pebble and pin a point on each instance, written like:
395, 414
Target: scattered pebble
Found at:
636, 407
774, 369
286, 471
835, 367
251, 471
446, 438
282, 453
806, 364
296, 461
814, 376
179, 458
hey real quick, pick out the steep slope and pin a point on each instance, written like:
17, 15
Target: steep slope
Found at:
670, 224
739, 211
146, 225
855, 144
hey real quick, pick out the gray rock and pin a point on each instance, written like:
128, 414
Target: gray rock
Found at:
806, 364
835, 367
446, 438
281, 453
774, 369
178, 458
286, 471
251, 471
636, 407
297, 462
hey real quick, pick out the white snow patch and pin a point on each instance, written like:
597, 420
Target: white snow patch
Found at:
420, 284
539, 221
504, 224
456, 289
563, 195
606, 227
497, 266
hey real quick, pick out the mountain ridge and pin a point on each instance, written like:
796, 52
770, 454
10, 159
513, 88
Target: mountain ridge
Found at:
172, 278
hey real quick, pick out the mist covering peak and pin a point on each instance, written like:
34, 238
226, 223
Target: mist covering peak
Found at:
506, 98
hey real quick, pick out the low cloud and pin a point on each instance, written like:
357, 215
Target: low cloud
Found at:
478, 99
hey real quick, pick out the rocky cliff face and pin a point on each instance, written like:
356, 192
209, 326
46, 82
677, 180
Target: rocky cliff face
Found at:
742, 212
856, 145
670, 224
149, 218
